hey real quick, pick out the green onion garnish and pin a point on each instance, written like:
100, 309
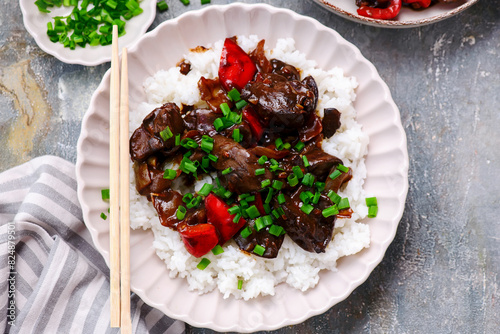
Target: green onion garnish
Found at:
246, 232
336, 173
189, 143
276, 230
334, 197
277, 184
233, 210
240, 104
342, 168
181, 212
105, 194
237, 137
227, 171
292, 180
250, 198
269, 196
166, 134
262, 160
240, 281
281, 199
268, 220
259, 224
267, 207
297, 171
371, 201
225, 109
253, 212
169, 174
320, 186
259, 250
217, 250
260, 171
187, 198
307, 208
103, 216
265, 183
213, 157
207, 145
330, 211
206, 189
162, 6
185, 2
344, 203
306, 162
204, 262
194, 202
218, 124
372, 211
279, 143
237, 218
177, 139
299, 146
305, 196
308, 180
234, 95
315, 198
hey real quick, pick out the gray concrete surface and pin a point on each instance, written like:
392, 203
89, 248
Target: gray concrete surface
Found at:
441, 273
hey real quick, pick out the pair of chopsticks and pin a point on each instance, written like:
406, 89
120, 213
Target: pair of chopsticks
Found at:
119, 192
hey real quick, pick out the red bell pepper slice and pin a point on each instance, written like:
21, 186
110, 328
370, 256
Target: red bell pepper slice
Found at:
218, 216
236, 68
418, 3
381, 13
250, 116
199, 239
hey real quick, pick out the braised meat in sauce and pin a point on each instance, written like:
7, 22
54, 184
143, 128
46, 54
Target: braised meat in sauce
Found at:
260, 138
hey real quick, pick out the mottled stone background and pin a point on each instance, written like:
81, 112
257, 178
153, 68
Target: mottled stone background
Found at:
441, 273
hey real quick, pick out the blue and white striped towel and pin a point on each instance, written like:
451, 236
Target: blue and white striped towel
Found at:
52, 280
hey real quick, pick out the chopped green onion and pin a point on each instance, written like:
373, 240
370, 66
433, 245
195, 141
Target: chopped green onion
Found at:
268, 220
233, 210
315, 198
218, 124
237, 136
275, 214
217, 250
227, 194
274, 162
292, 180
237, 218
306, 162
189, 143
297, 171
342, 168
281, 199
194, 202
225, 109
246, 232
267, 207
103, 216
260, 171
241, 104
287, 146
336, 173
334, 197
330, 211
372, 211
185, 2
269, 196
169, 174
276, 230
344, 203
279, 143
234, 95
181, 212
250, 198
308, 180
307, 208
207, 145
277, 184
253, 212
105, 194
187, 198
162, 6
259, 250
166, 134
240, 281
371, 201
299, 146
259, 224
213, 157
227, 171
305, 196
262, 160
265, 183
320, 186
206, 189
177, 139
204, 262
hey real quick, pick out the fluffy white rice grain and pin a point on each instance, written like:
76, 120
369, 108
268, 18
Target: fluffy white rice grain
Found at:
293, 265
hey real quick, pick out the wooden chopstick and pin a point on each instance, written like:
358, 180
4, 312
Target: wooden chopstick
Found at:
114, 148
126, 325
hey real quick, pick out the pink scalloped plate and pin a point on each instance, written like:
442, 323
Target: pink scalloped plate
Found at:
387, 167
407, 17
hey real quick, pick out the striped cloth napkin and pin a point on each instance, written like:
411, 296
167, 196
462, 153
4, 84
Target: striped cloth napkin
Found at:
52, 280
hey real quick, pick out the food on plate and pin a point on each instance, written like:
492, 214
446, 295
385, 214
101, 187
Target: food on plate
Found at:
89, 22
389, 9
251, 161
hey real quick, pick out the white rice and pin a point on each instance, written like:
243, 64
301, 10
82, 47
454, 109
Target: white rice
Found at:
294, 266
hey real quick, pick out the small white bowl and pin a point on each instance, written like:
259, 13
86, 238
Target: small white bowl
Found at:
36, 24
407, 18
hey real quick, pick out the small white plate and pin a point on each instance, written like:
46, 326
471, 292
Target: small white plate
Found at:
407, 18
36, 24
386, 163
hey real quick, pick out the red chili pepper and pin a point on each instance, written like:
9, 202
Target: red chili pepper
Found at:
218, 216
418, 3
252, 119
236, 68
199, 239
381, 13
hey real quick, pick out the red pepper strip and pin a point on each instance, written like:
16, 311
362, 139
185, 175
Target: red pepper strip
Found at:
381, 13
418, 3
252, 119
198, 239
236, 68
218, 216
